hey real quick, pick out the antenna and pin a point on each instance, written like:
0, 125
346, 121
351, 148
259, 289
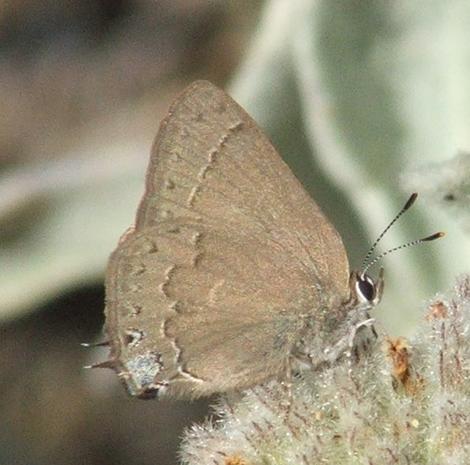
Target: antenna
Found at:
432, 237
405, 207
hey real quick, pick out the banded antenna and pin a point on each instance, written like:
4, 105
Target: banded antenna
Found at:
408, 204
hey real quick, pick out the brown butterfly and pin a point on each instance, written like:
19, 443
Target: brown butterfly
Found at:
232, 274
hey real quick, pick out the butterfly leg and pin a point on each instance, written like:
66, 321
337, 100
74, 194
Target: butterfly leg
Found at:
356, 347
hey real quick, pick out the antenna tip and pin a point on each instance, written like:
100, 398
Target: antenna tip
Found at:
410, 201
434, 236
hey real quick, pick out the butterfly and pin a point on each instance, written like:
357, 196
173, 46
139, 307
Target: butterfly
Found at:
232, 274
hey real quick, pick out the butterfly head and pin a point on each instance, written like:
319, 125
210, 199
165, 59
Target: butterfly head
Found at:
365, 289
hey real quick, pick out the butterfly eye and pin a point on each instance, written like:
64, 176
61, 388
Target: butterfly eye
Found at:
365, 288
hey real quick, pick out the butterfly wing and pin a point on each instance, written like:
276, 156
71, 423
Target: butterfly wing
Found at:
221, 301
210, 162
213, 314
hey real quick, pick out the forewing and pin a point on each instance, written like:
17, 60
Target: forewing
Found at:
198, 310
212, 164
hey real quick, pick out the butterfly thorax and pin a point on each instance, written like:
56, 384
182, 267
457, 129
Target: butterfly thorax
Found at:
335, 334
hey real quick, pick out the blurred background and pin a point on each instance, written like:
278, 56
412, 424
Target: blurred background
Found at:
366, 101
